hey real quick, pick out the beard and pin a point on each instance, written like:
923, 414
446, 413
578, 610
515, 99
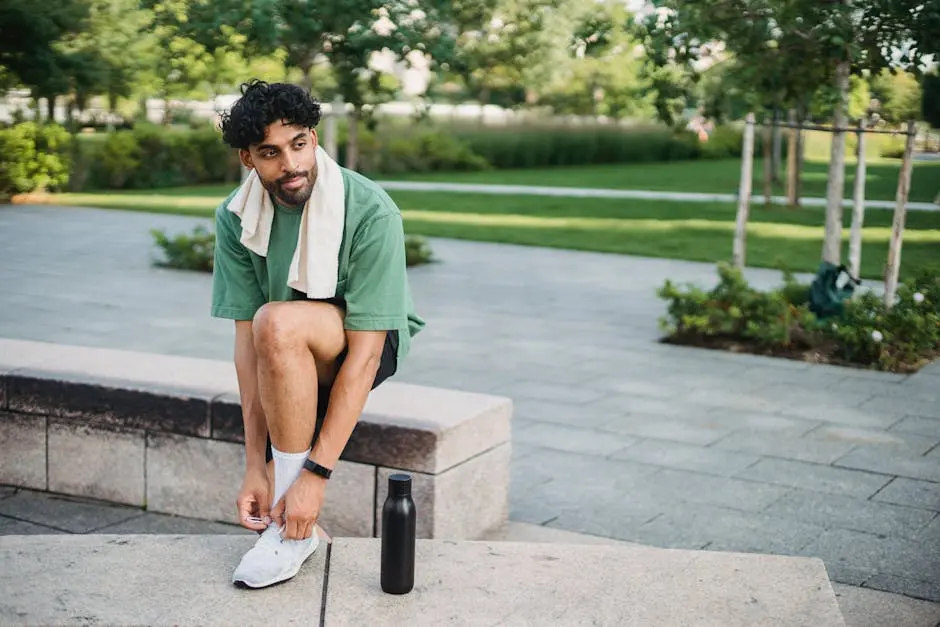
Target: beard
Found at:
292, 197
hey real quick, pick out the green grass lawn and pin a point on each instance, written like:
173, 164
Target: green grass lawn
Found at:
719, 176
777, 237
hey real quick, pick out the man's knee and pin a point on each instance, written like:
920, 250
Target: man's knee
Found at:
279, 326
274, 327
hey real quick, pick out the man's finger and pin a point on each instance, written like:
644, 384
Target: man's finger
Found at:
245, 509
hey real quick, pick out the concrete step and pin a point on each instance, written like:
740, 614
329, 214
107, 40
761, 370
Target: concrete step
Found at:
180, 579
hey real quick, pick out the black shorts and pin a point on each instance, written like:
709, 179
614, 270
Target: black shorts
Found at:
388, 365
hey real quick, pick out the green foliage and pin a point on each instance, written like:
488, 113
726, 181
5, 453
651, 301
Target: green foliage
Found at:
33, 157
724, 142
417, 251
429, 151
540, 146
898, 95
195, 251
901, 338
734, 310
152, 157
892, 148
898, 339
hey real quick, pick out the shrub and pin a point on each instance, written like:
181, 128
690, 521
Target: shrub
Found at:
187, 252
892, 148
868, 334
417, 251
546, 146
34, 157
152, 156
196, 251
427, 152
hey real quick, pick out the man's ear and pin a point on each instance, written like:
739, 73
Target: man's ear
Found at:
245, 158
314, 138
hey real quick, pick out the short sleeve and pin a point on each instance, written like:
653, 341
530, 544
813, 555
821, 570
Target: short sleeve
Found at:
376, 285
236, 293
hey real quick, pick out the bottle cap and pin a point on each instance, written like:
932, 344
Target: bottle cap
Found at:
399, 484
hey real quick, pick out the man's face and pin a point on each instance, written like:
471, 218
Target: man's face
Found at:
286, 162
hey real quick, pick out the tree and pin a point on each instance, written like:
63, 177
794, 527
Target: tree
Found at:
31, 48
600, 74
898, 95
501, 43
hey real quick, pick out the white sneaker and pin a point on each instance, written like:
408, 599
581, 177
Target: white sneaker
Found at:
273, 559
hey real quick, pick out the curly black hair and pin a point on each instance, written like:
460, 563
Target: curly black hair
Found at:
262, 104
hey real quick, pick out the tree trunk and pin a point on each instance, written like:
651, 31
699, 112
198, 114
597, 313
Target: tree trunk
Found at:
50, 109
768, 164
352, 139
893, 267
832, 242
744, 193
778, 147
484, 100
858, 207
167, 113
793, 148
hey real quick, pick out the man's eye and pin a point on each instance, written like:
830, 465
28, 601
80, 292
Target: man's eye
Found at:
300, 145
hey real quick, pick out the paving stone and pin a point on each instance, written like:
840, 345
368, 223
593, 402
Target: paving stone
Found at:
757, 423
545, 392
817, 477
912, 493
876, 555
732, 399
891, 463
922, 426
14, 527
831, 510
661, 428
575, 439
578, 470
916, 588
668, 486
64, 513
720, 529
848, 416
866, 607
910, 442
686, 457
621, 519
150, 522
801, 449
563, 413
642, 406
904, 406
6, 491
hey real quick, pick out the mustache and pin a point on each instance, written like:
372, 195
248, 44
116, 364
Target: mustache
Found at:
293, 175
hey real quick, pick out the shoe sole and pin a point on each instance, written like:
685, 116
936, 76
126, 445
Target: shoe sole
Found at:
280, 578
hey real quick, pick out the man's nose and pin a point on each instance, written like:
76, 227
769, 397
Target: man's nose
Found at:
288, 162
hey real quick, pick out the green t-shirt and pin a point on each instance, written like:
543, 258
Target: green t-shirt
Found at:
372, 278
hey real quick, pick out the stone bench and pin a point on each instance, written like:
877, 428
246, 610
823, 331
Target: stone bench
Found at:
165, 433
172, 580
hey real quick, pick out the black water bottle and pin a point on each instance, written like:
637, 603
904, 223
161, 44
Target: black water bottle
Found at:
398, 536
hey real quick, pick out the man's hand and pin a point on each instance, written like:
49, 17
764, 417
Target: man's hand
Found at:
254, 498
299, 508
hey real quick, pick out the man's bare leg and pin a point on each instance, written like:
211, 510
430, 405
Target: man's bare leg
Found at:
297, 344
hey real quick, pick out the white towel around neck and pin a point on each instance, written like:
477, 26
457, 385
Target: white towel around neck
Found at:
314, 267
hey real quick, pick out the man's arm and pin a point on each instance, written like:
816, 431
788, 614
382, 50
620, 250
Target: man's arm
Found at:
246, 367
348, 397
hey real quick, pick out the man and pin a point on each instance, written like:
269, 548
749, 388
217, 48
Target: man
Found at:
323, 314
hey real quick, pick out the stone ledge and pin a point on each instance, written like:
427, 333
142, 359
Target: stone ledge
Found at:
178, 420
186, 579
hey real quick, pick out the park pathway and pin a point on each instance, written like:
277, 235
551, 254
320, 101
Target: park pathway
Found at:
614, 433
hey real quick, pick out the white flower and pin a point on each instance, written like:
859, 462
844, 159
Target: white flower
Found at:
877, 336
918, 297
835, 327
